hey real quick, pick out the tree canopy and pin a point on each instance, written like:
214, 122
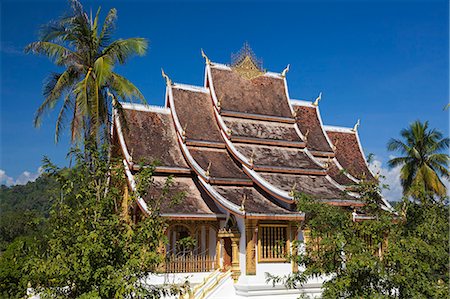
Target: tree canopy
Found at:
88, 86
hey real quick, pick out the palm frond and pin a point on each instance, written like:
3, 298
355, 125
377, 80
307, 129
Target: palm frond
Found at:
125, 89
60, 121
108, 27
397, 145
120, 50
59, 54
53, 89
102, 69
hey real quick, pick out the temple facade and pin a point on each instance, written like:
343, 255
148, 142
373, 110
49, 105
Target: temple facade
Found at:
236, 149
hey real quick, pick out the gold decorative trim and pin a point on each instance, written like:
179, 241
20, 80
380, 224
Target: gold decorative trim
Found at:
246, 64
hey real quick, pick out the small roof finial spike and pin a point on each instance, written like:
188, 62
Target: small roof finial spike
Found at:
285, 71
207, 172
355, 128
164, 75
316, 102
207, 61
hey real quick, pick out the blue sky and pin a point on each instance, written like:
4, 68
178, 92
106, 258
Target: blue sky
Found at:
385, 62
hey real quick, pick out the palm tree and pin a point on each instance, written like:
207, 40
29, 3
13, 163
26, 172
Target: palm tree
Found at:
88, 87
423, 161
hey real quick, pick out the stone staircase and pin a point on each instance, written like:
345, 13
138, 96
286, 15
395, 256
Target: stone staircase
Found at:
207, 287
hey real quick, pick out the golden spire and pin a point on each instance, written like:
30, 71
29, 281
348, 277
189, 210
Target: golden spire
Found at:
284, 72
316, 102
207, 61
246, 64
164, 75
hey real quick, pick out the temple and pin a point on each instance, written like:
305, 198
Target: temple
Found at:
236, 149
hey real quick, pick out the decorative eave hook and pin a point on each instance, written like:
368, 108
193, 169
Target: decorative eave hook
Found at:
207, 173
285, 71
164, 75
316, 102
207, 61
244, 198
355, 128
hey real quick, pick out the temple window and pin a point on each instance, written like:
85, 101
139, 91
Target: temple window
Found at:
272, 243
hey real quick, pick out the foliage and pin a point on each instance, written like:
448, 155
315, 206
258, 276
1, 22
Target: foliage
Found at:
91, 248
423, 160
23, 208
88, 87
388, 256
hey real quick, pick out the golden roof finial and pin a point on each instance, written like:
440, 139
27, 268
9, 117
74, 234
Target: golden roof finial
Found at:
207, 61
252, 157
356, 126
244, 198
164, 75
207, 173
284, 72
335, 145
316, 102
293, 190
183, 133
328, 163
306, 135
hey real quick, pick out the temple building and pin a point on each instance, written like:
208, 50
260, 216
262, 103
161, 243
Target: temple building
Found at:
237, 148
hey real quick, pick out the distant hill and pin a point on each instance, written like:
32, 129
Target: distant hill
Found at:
22, 207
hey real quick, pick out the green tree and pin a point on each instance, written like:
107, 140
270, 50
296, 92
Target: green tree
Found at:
88, 86
423, 160
385, 256
90, 246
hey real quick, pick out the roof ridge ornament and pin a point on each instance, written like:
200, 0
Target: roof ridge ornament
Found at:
316, 102
207, 61
244, 198
285, 71
246, 63
164, 75
293, 190
355, 128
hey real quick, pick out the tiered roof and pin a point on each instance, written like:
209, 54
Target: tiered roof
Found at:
240, 145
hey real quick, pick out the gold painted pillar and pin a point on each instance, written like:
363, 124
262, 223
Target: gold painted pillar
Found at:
250, 254
294, 243
235, 269
218, 252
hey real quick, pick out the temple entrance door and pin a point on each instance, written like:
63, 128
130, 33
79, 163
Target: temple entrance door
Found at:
227, 254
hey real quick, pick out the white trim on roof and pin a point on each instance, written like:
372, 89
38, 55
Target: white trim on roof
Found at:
222, 201
301, 103
132, 182
193, 88
123, 145
220, 66
194, 215
225, 67
339, 129
267, 186
145, 108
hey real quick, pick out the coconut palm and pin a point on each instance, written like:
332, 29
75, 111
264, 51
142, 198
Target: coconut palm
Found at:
423, 161
88, 87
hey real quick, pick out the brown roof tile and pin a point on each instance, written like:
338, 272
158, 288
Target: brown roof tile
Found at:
262, 129
277, 156
255, 201
222, 165
194, 199
262, 95
309, 123
196, 115
151, 137
349, 154
336, 174
317, 186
